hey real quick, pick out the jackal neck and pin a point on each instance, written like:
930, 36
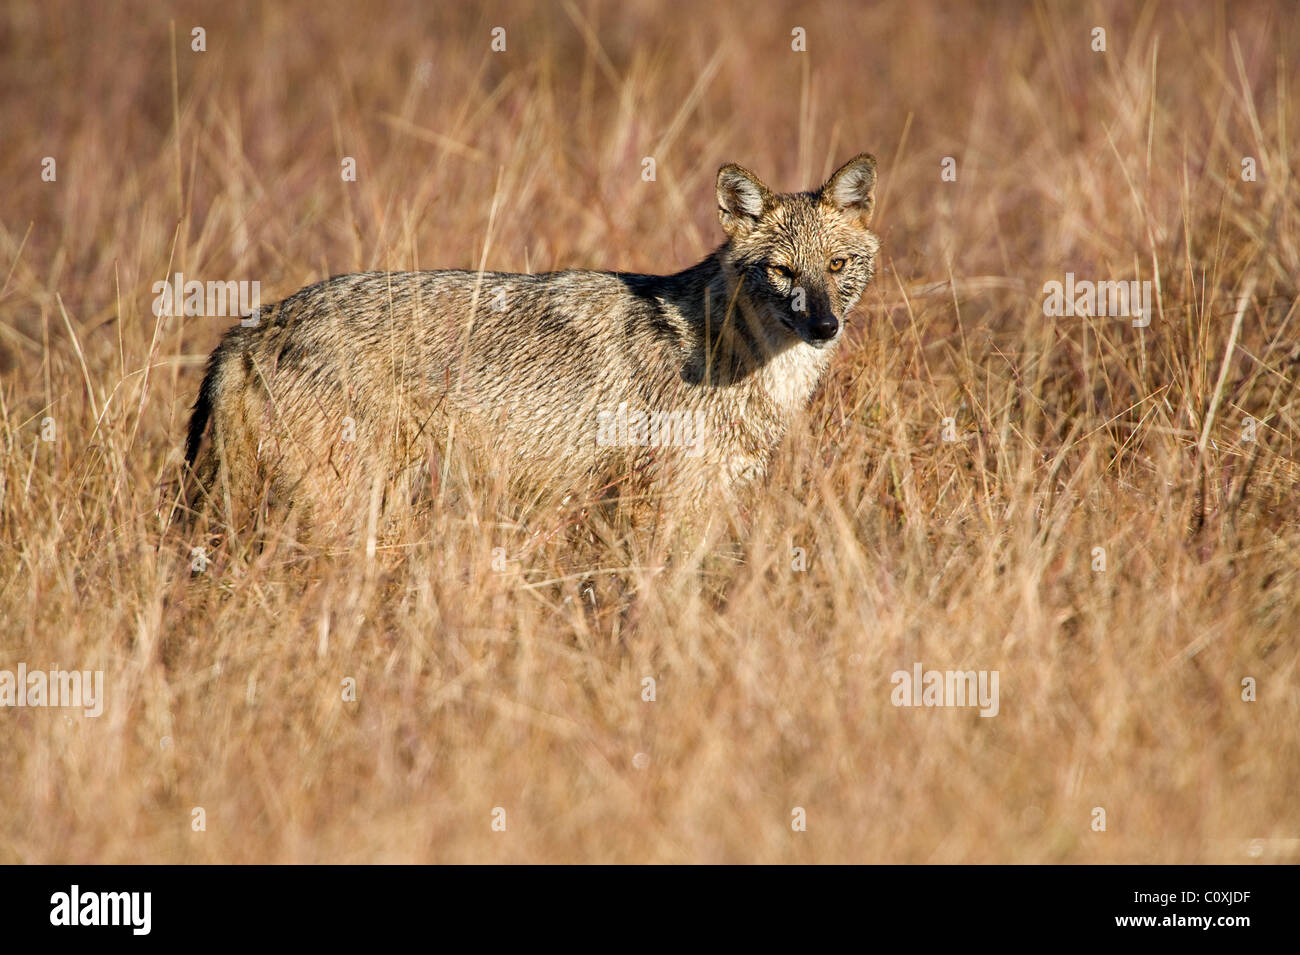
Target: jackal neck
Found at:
731, 346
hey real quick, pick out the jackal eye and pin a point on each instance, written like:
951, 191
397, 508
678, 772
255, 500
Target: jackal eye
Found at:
838, 263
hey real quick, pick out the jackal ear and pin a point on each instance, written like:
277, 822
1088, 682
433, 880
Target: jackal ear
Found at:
853, 187
742, 199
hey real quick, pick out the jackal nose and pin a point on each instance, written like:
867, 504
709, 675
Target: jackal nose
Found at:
823, 328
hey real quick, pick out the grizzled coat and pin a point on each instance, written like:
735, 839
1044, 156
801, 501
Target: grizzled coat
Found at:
368, 389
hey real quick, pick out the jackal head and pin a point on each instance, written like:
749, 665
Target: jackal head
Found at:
801, 259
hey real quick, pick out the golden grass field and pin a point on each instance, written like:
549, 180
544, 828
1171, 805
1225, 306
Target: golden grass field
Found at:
521, 688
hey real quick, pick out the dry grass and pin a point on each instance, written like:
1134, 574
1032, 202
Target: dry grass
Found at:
522, 689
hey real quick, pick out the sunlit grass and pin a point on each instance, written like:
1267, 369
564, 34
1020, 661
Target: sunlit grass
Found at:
513, 678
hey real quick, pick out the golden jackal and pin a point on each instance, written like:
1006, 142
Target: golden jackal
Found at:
364, 387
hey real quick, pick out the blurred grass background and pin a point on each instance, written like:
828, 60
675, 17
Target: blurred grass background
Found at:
522, 689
